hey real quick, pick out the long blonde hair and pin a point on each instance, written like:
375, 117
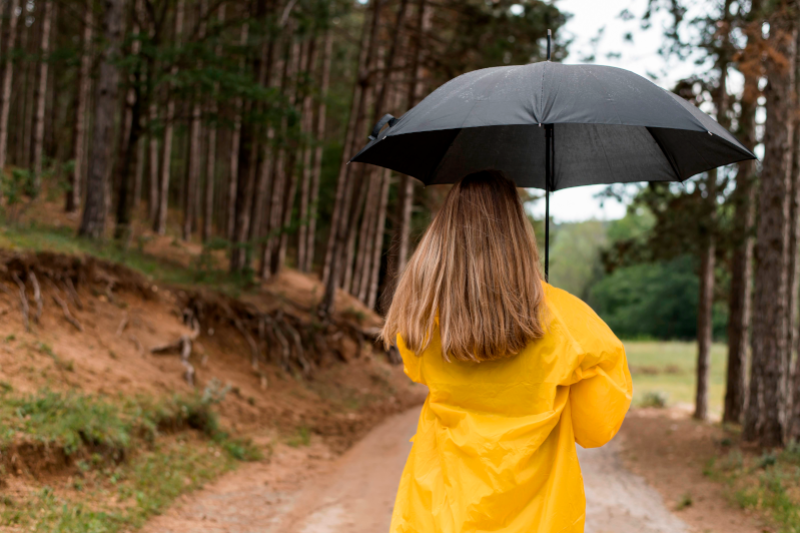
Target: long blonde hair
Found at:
475, 274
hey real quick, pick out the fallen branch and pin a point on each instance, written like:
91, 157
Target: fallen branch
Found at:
67, 314
37, 296
23, 299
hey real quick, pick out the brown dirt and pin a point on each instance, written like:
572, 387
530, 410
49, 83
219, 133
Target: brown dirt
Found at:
669, 450
304, 490
338, 402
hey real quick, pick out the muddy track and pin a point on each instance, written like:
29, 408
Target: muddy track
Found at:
302, 492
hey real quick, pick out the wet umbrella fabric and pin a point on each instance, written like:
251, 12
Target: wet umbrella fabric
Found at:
552, 126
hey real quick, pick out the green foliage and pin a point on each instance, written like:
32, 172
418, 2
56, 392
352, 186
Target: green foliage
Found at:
685, 501
72, 420
657, 399
658, 300
301, 438
575, 256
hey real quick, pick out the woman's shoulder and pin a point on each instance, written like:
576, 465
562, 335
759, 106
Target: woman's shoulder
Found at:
574, 317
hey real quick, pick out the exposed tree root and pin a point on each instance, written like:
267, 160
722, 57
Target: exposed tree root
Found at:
37, 297
23, 300
65, 309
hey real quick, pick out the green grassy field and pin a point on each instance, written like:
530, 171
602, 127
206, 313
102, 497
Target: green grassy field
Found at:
669, 367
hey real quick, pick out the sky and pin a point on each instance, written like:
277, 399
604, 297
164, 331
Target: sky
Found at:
590, 19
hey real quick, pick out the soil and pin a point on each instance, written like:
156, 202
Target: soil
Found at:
668, 449
311, 491
348, 389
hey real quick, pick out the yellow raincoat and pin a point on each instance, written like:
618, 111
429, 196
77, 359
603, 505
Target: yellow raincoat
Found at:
495, 445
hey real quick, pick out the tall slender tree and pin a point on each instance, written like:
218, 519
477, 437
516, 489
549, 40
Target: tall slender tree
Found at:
765, 417
41, 91
94, 212
744, 218
310, 234
8, 73
160, 225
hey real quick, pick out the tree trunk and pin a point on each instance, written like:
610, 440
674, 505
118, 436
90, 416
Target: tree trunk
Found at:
377, 248
211, 162
308, 149
708, 254
398, 251
320, 137
794, 238
24, 158
129, 138
332, 267
41, 93
160, 226
765, 415
152, 162
267, 167
741, 264
5, 95
283, 170
195, 138
94, 212
73, 196
236, 137
704, 308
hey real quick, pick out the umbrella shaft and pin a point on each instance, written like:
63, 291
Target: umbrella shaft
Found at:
549, 164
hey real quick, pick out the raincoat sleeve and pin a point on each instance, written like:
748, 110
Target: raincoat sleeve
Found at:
602, 387
412, 363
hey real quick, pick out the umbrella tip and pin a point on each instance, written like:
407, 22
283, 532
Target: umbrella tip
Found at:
549, 36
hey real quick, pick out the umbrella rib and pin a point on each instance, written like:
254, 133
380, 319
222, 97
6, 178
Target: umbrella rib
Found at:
666, 155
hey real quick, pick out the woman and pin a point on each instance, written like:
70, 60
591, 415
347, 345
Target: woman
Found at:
518, 372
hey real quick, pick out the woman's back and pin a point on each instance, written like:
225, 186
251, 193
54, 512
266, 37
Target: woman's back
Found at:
495, 446
518, 371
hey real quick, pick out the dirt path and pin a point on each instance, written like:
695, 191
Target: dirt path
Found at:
303, 492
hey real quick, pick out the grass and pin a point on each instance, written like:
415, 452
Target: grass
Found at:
35, 237
134, 456
765, 483
667, 369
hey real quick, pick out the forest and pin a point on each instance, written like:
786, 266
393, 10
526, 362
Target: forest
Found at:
230, 124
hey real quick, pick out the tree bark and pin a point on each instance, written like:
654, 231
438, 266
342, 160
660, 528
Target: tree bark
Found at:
308, 149
94, 212
41, 92
236, 137
708, 254
74, 193
269, 166
331, 272
160, 226
377, 248
195, 138
211, 162
310, 234
283, 179
129, 138
343, 224
765, 420
742, 262
5, 95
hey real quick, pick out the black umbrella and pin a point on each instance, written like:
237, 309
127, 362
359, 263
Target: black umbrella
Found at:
604, 124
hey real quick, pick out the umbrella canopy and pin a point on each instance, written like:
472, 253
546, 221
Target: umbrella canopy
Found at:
582, 124
609, 125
